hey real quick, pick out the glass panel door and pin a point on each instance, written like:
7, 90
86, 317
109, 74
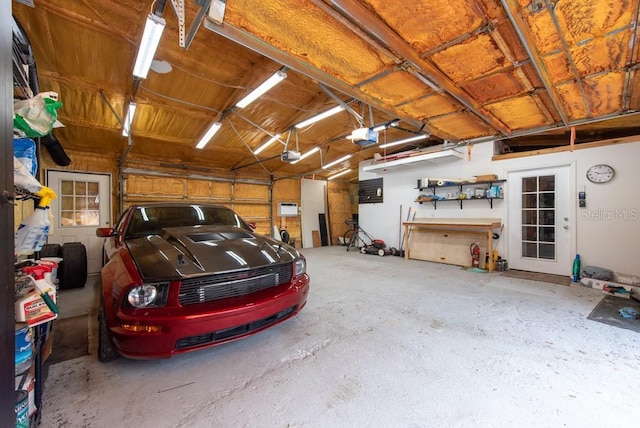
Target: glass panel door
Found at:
538, 217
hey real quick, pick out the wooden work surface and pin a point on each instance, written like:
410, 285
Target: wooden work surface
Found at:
476, 226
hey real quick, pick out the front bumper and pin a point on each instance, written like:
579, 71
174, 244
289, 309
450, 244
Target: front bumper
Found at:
185, 329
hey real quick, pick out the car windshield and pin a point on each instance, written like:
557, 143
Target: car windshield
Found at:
151, 220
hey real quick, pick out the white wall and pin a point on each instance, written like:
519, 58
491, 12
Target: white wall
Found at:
607, 230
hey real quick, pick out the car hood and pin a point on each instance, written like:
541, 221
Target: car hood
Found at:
199, 250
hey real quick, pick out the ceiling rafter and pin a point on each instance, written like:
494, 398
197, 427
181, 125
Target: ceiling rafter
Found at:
526, 38
390, 38
567, 53
245, 39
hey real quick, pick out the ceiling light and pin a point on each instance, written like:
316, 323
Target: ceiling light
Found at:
208, 135
323, 115
272, 81
267, 144
335, 162
126, 125
339, 174
148, 45
406, 140
307, 154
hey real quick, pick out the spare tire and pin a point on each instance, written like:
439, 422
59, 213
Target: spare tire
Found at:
72, 272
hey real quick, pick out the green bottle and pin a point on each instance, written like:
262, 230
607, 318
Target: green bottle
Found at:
576, 268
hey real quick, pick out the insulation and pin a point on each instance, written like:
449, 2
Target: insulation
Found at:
490, 67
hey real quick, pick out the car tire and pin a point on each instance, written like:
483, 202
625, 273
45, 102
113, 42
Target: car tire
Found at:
72, 272
106, 349
50, 250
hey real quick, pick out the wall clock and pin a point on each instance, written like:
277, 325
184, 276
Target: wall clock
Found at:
600, 173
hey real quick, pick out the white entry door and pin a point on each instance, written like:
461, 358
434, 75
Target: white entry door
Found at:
83, 204
541, 220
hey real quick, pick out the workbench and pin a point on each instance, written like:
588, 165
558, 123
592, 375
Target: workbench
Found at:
449, 229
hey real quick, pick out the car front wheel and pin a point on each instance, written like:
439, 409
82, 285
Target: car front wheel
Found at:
106, 349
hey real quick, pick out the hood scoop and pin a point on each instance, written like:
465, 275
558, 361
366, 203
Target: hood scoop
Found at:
214, 236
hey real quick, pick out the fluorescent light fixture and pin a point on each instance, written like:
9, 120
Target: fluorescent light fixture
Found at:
319, 117
272, 81
126, 125
406, 140
208, 135
150, 39
339, 174
307, 154
267, 144
335, 162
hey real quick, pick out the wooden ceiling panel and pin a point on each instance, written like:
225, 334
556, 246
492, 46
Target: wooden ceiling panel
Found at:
634, 96
463, 125
495, 86
604, 93
519, 113
573, 101
602, 54
306, 31
427, 25
396, 87
460, 65
431, 106
581, 20
559, 68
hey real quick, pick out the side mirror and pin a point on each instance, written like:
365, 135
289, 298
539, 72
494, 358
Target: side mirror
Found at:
253, 226
105, 232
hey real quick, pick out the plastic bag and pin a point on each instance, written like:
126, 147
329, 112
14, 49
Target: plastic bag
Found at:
35, 116
22, 178
597, 273
24, 149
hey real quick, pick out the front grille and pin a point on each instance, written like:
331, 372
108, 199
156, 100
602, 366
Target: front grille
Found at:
233, 284
230, 333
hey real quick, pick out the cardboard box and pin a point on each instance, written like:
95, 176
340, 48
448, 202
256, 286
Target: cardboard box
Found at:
609, 287
486, 177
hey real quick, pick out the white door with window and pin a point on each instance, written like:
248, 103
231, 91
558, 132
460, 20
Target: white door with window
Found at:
541, 219
83, 204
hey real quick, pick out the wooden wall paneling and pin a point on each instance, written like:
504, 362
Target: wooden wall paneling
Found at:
287, 191
446, 247
339, 209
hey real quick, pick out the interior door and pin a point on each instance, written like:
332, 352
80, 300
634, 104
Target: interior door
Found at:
83, 204
541, 220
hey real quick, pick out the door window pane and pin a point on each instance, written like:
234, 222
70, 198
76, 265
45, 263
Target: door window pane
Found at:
79, 203
529, 250
548, 251
547, 200
529, 233
529, 217
530, 201
547, 183
529, 184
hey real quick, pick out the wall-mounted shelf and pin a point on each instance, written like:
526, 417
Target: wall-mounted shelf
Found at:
403, 160
485, 185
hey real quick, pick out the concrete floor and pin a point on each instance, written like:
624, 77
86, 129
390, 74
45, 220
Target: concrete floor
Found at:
382, 342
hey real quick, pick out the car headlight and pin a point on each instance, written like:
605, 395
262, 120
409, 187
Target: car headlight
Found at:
300, 266
148, 295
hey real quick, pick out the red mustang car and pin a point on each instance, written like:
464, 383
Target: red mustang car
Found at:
180, 277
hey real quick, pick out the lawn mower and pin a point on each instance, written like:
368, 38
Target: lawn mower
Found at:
378, 247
